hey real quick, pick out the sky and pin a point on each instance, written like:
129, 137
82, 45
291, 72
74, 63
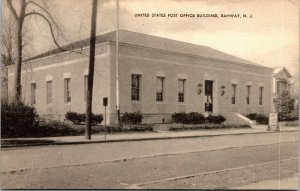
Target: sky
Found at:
269, 38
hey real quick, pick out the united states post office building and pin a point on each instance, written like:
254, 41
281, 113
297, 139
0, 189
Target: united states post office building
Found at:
157, 76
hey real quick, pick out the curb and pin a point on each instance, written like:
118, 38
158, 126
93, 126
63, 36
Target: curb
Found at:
138, 139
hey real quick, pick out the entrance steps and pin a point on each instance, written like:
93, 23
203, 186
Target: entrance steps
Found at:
233, 118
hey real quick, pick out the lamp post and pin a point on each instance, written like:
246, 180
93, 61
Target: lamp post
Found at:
223, 88
200, 88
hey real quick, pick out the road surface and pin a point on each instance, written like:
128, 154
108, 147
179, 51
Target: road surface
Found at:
211, 162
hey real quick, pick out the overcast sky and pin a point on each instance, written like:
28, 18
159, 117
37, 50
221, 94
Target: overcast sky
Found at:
270, 36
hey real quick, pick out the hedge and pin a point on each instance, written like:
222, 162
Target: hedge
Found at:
19, 120
197, 118
78, 118
215, 119
206, 126
259, 118
132, 118
126, 128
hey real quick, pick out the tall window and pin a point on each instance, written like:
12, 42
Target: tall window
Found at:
67, 90
233, 98
49, 92
160, 88
261, 93
33, 93
281, 86
135, 87
248, 95
85, 85
181, 83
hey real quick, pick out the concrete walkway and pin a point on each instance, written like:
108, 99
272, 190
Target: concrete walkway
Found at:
157, 135
286, 184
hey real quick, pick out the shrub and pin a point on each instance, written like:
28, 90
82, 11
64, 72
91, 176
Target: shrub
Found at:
78, 118
75, 117
259, 118
179, 117
132, 118
196, 118
206, 126
96, 118
252, 116
53, 128
262, 119
141, 128
17, 119
118, 129
215, 119
128, 128
293, 116
283, 106
188, 118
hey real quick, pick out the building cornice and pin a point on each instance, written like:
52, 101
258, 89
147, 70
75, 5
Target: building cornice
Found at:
62, 53
190, 55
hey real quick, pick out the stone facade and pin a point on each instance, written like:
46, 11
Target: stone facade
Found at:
208, 80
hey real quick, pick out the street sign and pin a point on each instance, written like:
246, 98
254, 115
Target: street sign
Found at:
105, 101
273, 121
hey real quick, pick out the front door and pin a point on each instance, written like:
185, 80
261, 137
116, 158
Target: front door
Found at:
208, 96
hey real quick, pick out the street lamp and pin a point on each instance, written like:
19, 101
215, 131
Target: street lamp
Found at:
200, 88
223, 88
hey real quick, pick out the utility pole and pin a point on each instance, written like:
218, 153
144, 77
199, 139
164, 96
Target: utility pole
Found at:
118, 120
91, 71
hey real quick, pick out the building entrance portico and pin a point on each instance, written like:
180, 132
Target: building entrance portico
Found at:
208, 104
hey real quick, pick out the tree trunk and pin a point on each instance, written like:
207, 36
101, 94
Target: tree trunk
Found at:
91, 71
18, 64
19, 43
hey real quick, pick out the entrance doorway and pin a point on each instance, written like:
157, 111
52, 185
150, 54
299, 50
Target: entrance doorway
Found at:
208, 96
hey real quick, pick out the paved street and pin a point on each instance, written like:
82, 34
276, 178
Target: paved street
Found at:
206, 162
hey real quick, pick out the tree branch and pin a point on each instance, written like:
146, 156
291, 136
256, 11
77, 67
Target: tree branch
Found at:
12, 9
42, 8
49, 16
50, 27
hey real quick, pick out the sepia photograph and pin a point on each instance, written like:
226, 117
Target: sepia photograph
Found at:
143, 94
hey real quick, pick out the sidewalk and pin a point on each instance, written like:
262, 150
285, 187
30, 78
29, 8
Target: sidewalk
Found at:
156, 135
286, 184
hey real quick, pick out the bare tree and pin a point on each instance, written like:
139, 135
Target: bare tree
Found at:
7, 54
26, 9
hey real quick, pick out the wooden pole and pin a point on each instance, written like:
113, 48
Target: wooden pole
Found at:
91, 71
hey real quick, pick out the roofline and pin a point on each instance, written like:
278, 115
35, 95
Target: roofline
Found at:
281, 69
155, 49
196, 56
61, 53
109, 41
67, 51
